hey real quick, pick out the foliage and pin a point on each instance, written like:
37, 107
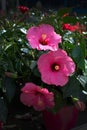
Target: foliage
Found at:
18, 60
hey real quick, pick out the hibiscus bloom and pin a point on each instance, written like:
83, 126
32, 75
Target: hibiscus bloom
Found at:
39, 98
55, 67
23, 9
43, 37
69, 27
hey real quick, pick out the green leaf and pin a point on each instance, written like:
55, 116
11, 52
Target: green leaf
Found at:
3, 111
59, 101
71, 88
83, 80
33, 64
83, 43
10, 87
36, 72
85, 71
78, 57
63, 11
70, 19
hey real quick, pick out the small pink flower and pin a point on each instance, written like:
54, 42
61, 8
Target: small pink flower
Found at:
39, 98
43, 37
55, 67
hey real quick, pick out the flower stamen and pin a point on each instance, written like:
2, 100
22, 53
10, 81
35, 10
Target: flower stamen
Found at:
43, 40
44, 36
55, 67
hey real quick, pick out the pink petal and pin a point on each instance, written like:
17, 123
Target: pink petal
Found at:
27, 99
32, 36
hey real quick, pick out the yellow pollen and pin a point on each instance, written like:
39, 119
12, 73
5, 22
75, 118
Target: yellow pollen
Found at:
44, 36
56, 67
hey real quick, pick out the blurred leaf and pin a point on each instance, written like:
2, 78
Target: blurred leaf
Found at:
85, 71
63, 11
36, 72
71, 88
3, 111
83, 80
83, 43
33, 64
59, 101
70, 19
10, 87
78, 57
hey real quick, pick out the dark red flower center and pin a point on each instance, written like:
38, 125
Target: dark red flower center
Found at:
55, 67
44, 40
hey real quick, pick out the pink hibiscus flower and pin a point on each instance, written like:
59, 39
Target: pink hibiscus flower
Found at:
55, 67
43, 37
39, 98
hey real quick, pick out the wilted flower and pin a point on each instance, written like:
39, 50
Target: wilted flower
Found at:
39, 98
43, 37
